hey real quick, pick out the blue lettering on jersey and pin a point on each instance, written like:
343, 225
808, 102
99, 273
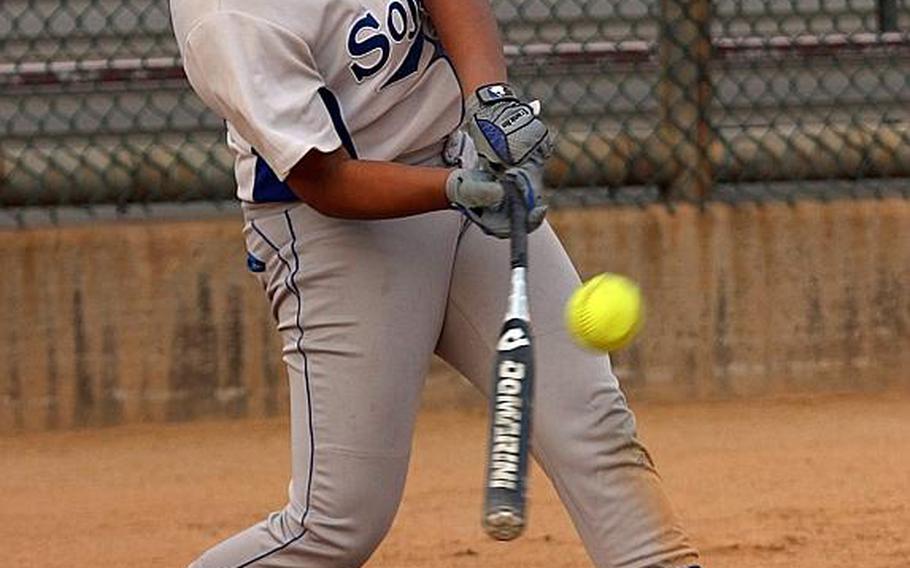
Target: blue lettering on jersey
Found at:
398, 22
361, 48
370, 42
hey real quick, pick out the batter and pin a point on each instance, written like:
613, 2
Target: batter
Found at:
368, 224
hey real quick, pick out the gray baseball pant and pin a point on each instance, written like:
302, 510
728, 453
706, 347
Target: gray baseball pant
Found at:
361, 307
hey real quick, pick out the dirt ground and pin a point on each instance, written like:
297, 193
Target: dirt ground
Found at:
796, 483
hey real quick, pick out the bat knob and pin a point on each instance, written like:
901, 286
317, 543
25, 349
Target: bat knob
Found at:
504, 525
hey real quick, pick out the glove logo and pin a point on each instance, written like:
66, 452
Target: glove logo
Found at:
498, 91
518, 115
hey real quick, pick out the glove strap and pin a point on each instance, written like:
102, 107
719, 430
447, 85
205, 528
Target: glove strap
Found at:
497, 92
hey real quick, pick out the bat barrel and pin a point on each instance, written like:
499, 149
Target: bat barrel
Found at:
511, 402
504, 524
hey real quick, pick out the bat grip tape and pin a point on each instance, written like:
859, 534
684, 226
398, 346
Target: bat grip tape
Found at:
518, 213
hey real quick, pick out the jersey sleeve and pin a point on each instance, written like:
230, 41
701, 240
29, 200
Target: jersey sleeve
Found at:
262, 79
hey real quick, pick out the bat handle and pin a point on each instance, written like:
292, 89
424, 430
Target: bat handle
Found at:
518, 214
518, 238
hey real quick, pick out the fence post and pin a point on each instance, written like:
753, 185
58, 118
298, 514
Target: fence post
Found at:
887, 16
685, 98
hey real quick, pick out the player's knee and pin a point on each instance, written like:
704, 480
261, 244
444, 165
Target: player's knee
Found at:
605, 425
350, 512
366, 537
351, 532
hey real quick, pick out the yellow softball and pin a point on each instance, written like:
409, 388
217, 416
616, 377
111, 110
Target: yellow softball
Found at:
605, 313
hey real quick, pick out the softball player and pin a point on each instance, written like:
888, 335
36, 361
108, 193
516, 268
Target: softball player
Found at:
374, 253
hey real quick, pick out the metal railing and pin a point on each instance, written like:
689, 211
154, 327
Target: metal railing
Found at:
653, 99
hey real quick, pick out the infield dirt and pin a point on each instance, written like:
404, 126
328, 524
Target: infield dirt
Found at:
795, 483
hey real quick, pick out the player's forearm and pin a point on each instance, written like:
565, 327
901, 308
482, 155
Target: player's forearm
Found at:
360, 189
470, 36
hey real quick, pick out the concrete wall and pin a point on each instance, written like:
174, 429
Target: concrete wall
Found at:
139, 321
107, 323
752, 299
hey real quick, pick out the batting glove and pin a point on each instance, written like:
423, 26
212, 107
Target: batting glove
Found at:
494, 219
505, 130
472, 189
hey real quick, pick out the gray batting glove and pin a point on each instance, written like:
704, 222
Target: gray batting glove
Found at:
471, 189
495, 220
505, 130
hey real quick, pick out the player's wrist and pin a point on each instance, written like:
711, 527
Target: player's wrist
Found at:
490, 94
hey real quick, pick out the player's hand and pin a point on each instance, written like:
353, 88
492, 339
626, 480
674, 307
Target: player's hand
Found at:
473, 189
494, 220
506, 131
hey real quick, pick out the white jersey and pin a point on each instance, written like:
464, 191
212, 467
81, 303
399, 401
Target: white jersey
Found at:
290, 76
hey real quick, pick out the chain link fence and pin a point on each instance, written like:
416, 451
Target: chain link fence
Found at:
653, 99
